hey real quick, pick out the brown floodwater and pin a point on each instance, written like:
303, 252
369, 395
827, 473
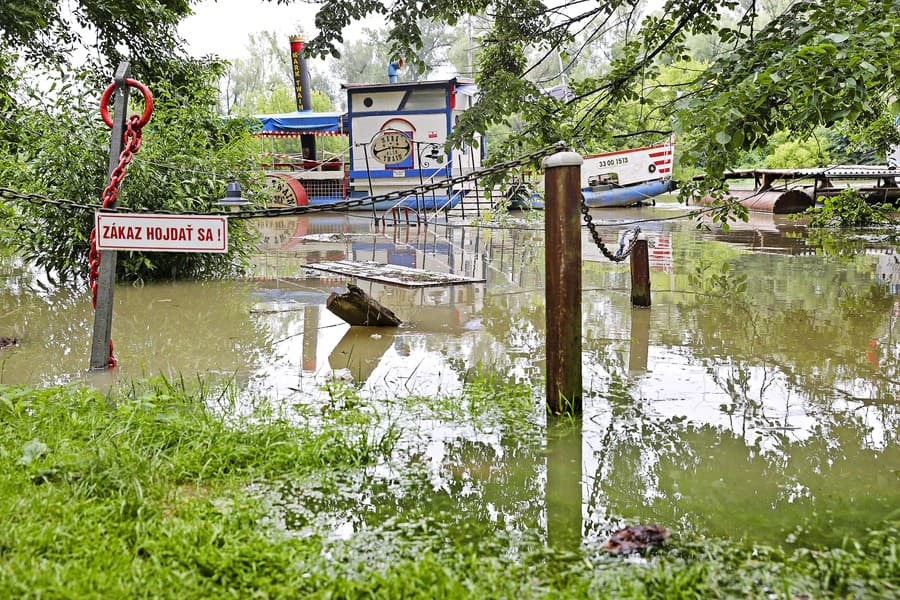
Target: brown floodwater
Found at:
757, 399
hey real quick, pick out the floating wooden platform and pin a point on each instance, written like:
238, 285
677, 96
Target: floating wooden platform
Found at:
392, 274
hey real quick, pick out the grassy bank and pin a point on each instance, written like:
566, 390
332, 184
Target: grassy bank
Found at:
152, 493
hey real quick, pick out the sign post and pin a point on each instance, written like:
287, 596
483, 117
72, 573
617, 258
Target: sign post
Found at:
107, 276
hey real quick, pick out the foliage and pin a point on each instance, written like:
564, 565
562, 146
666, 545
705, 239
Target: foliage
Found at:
812, 64
849, 209
46, 30
365, 60
185, 161
818, 63
148, 491
795, 155
783, 151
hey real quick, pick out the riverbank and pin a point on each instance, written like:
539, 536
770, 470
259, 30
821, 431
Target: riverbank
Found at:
169, 490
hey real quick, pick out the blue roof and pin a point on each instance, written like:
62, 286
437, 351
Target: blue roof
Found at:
305, 121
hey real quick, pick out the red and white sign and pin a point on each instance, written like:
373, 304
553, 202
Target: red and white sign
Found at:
161, 233
629, 166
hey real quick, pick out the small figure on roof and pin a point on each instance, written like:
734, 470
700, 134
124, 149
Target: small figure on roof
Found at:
394, 69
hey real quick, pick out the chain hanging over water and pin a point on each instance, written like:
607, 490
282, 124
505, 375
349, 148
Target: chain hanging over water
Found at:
620, 254
500, 167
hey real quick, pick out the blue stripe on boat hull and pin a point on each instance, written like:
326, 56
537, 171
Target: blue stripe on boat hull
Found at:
426, 203
626, 196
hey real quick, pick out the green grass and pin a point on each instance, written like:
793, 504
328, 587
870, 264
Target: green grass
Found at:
149, 493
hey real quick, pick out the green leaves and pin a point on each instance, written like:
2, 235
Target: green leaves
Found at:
850, 209
187, 156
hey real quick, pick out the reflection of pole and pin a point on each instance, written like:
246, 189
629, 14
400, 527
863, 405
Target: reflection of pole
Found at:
562, 233
310, 337
564, 491
640, 341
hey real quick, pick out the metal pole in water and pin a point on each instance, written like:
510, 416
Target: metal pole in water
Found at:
562, 237
106, 278
640, 274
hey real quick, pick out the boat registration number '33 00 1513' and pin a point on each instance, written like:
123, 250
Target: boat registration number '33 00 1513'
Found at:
612, 162
637, 165
161, 233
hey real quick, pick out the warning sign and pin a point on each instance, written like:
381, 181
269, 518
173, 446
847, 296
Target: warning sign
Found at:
161, 233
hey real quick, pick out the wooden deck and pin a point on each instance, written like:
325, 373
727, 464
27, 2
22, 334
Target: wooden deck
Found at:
392, 274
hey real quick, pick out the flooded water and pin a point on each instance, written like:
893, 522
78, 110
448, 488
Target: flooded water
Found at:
757, 399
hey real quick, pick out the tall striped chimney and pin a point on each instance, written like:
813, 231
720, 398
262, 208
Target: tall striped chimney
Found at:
302, 93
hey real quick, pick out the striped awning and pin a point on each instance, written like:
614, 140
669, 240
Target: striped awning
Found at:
295, 134
299, 123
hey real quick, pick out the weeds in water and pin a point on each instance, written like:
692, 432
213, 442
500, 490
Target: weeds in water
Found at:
850, 209
150, 492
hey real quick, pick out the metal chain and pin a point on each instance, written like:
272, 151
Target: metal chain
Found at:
621, 254
131, 138
132, 143
10, 194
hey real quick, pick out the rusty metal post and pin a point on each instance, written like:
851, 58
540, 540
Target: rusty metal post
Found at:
562, 237
640, 274
106, 278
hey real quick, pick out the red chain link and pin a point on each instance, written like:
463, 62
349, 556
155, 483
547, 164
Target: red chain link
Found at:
132, 137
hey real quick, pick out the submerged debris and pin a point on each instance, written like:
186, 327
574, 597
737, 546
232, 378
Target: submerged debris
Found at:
8, 341
636, 539
358, 308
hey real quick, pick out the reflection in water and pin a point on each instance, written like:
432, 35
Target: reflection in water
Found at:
564, 496
640, 341
360, 351
756, 399
310, 335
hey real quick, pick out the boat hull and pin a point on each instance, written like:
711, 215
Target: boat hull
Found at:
627, 195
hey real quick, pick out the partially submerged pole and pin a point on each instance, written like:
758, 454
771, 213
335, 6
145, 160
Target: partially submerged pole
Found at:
106, 279
640, 274
562, 229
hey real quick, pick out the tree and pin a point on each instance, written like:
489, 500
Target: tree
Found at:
815, 63
52, 142
188, 155
366, 60
46, 30
262, 83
